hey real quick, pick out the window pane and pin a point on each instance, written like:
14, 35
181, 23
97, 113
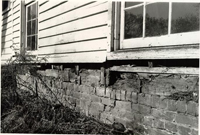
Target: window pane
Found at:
36, 43
129, 4
4, 5
185, 17
157, 19
33, 26
36, 26
133, 23
33, 46
29, 28
33, 13
29, 13
29, 43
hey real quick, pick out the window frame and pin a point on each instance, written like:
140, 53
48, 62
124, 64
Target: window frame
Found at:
33, 52
170, 39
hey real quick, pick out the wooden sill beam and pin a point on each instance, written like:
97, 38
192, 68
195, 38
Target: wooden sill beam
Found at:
160, 70
176, 52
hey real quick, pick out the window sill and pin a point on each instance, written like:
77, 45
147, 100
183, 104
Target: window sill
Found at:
170, 52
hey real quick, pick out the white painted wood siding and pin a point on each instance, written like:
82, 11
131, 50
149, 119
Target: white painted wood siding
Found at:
10, 31
73, 31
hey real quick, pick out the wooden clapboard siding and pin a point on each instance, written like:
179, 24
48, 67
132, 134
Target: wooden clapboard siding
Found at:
79, 57
73, 31
73, 15
50, 4
98, 44
6, 32
10, 31
6, 26
76, 25
88, 34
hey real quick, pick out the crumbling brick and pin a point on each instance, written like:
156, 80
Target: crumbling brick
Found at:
187, 120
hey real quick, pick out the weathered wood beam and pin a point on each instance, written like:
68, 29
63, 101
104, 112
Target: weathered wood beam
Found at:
162, 70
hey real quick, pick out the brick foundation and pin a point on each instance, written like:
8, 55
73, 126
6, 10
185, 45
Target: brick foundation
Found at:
136, 100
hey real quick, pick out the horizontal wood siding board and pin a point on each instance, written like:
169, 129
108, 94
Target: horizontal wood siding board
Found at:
72, 16
6, 21
50, 5
6, 38
63, 9
5, 51
6, 15
6, 44
163, 70
74, 47
16, 21
16, 15
7, 32
84, 57
180, 52
42, 2
7, 26
16, 27
99, 32
16, 40
88, 22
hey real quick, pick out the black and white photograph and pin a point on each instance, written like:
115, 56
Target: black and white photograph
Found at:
108, 67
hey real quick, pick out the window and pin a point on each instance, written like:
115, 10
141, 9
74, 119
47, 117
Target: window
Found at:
5, 5
148, 24
32, 26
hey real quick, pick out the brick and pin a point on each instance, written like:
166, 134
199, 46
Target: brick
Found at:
163, 103
187, 120
52, 73
183, 130
107, 108
170, 126
172, 105
154, 131
97, 106
158, 124
192, 108
155, 101
85, 96
146, 110
122, 114
162, 114
138, 118
135, 108
76, 87
100, 91
144, 99
107, 101
134, 97
113, 94
181, 106
77, 95
108, 92
122, 105
128, 96
194, 132
118, 94
148, 120
123, 94
85, 89
95, 98
92, 90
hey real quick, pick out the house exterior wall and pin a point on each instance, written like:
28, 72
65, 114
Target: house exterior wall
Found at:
143, 102
73, 31
10, 31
